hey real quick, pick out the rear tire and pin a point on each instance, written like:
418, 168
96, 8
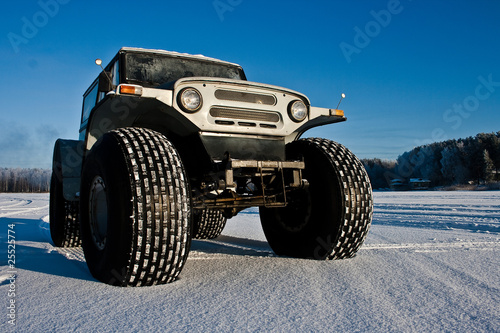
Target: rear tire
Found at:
329, 219
208, 224
64, 221
135, 209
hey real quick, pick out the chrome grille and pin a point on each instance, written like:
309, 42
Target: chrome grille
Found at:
243, 114
241, 96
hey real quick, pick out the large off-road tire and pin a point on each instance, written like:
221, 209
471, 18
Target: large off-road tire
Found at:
63, 214
330, 218
135, 209
208, 224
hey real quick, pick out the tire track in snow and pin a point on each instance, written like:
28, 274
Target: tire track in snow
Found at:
15, 202
434, 247
438, 222
436, 209
476, 212
226, 250
20, 207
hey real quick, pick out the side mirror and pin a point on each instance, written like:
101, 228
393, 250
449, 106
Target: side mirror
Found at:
105, 83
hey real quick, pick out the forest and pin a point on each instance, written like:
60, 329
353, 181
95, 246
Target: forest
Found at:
24, 180
473, 160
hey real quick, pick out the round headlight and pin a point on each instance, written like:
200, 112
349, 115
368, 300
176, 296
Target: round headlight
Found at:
297, 111
190, 100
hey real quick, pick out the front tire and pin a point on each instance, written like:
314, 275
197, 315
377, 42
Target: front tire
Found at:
135, 209
329, 219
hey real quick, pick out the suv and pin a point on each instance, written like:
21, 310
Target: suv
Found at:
171, 145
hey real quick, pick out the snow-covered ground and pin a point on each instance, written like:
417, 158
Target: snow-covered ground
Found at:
430, 263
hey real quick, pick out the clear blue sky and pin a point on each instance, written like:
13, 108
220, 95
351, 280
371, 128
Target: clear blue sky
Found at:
413, 71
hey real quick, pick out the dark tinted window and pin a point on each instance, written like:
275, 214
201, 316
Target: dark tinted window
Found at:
152, 70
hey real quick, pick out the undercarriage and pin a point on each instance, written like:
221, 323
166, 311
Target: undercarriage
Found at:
241, 184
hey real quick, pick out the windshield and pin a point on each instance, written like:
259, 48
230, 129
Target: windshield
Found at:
152, 70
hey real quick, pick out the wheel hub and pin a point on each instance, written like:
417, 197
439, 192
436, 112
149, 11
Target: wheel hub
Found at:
98, 212
299, 211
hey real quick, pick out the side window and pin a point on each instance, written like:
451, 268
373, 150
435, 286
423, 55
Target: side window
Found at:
115, 74
89, 101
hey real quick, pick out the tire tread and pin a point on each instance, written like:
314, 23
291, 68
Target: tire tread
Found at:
161, 203
64, 217
209, 224
358, 203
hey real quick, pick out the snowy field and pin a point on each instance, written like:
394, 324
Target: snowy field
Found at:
430, 264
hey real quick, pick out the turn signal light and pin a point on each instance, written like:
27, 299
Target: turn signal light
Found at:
130, 90
335, 112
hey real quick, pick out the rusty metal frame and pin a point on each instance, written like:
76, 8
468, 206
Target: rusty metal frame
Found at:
259, 167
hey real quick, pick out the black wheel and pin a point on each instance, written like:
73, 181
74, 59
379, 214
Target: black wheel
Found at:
64, 222
135, 208
331, 217
208, 224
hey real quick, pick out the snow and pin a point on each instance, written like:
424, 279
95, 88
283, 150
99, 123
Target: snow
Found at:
430, 263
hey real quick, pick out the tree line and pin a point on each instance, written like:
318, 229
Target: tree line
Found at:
24, 180
474, 160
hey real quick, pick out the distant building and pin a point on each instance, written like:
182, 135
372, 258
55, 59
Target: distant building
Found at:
413, 184
419, 184
399, 185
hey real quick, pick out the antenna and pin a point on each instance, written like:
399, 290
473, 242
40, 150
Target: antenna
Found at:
341, 98
98, 62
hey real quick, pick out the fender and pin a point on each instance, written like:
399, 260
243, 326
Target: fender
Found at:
67, 166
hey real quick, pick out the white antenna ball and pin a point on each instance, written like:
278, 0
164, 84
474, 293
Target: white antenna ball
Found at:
343, 95
98, 62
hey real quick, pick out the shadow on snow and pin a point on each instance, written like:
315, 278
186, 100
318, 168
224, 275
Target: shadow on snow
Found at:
34, 250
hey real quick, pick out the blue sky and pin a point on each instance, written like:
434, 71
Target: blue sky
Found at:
414, 72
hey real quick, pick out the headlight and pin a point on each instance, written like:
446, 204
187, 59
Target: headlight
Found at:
190, 100
297, 111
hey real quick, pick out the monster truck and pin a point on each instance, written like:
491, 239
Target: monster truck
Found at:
171, 145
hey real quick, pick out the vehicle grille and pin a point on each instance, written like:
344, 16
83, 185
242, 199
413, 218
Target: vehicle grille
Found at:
241, 96
243, 114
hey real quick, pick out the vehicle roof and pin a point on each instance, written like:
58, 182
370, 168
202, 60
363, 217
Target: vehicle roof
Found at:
177, 54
